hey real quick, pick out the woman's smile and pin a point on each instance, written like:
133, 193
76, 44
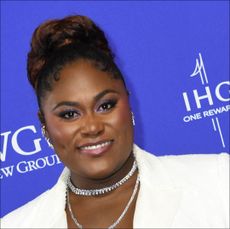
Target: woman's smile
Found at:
96, 149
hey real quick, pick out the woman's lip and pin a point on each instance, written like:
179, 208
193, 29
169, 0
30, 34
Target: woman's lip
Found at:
96, 149
93, 143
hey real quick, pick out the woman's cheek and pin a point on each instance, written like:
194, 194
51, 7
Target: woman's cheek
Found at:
61, 138
123, 115
60, 133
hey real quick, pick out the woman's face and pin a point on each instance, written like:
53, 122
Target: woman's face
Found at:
88, 120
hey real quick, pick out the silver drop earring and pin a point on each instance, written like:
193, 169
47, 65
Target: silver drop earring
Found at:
47, 139
44, 131
133, 119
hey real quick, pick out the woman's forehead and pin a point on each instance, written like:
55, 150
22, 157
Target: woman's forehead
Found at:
83, 75
82, 81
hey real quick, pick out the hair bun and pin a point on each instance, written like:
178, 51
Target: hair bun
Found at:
54, 34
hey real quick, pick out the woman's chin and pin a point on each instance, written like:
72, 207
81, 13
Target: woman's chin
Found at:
100, 174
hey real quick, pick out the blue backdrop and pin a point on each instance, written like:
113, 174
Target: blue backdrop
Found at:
175, 58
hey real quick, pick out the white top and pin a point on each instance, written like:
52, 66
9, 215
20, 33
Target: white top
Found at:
186, 191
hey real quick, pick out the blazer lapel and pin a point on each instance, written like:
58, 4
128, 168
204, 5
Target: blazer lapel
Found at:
58, 215
158, 199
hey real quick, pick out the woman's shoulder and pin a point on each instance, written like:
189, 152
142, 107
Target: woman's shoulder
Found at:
193, 159
187, 168
39, 211
25, 214
199, 160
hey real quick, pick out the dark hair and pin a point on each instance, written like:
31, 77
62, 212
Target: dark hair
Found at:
58, 42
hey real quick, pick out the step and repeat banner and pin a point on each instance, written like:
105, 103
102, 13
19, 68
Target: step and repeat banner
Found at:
174, 56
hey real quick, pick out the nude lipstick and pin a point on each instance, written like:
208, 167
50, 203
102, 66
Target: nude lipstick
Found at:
95, 149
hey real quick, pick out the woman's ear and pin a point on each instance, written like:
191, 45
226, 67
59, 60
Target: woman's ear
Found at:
42, 121
44, 130
41, 117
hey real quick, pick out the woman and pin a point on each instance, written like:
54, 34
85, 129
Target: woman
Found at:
108, 181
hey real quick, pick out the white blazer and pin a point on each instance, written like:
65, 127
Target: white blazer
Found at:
189, 191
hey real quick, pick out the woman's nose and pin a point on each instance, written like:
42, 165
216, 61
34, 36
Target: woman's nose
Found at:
92, 127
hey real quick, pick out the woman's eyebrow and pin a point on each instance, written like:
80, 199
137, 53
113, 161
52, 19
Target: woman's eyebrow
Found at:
66, 103
76, 104
103, 93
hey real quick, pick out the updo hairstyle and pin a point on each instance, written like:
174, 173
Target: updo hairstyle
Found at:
58, 42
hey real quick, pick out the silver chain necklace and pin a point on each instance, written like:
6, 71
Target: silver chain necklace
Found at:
95, 192
120, 217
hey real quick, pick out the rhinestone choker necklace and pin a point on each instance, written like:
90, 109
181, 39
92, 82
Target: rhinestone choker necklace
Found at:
95, 192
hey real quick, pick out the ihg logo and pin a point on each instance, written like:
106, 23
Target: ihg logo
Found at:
15, 142
221, 91
207, 95
195, 99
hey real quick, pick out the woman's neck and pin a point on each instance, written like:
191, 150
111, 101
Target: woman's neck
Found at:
88, 183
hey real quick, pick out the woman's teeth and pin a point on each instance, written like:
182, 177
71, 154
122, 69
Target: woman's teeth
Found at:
96, 146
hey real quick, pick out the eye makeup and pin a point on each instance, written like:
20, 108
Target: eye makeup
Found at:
106, 105
69, 114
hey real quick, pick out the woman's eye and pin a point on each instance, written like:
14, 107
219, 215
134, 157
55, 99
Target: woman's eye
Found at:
69, 114
106, 106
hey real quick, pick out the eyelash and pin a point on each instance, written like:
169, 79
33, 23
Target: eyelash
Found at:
110, 104
72, 114
69, 113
